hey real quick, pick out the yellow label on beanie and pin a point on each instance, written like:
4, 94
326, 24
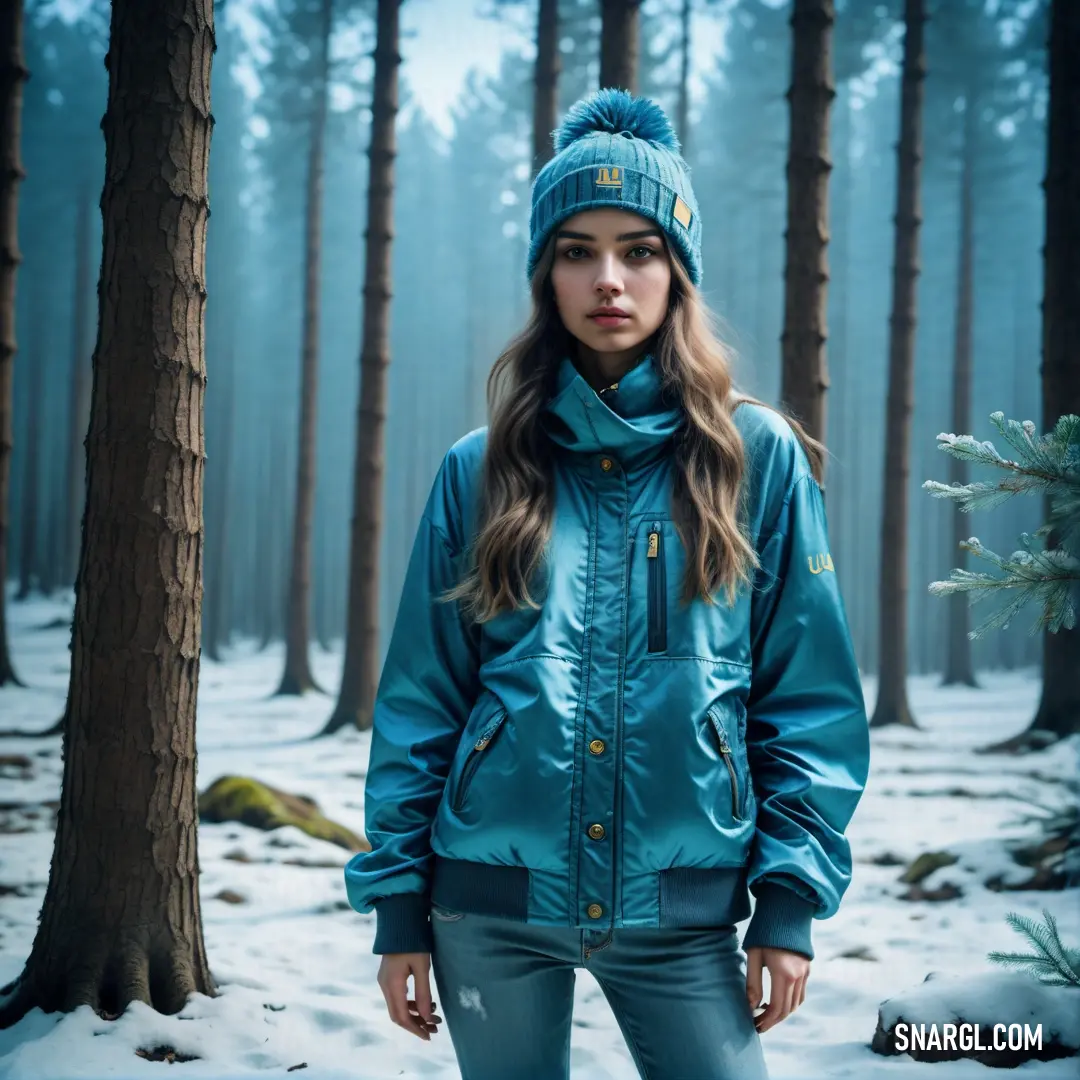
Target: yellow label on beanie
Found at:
609, 177
681, 213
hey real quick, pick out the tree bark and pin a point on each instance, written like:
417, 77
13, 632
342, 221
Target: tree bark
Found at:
217, 616
30, 557
297, 677
121, 919
806, 273
266, 518
79, 389
52, 548
958, 668
892, 702
844, 516
620, 34
682, 116
13, 74
360, 674
546, 92
1058, 714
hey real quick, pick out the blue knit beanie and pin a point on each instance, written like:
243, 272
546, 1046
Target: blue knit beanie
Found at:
614, 149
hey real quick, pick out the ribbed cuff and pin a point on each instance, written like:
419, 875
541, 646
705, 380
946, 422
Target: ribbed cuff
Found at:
402, 924
781, 920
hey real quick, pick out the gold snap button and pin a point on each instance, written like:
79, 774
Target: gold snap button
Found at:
596, 746
595, 911
596, 832
605, 464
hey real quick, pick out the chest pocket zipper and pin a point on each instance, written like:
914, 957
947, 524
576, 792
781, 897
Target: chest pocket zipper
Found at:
657, 599
472, 762
728, 755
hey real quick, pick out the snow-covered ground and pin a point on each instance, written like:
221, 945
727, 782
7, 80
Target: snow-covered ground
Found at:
294, 962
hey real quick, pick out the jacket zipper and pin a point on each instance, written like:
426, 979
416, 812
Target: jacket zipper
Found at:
726, 752
472, 762
657, 590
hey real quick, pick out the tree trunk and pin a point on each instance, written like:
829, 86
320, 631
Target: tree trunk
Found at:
620, 43
843, 508
360, 674
30, 558
216, 624
546, 92
1058, 714
121, 919
79, 389
52, 548
682, 117
266, 528
892, 702
13, 74
806, 272
275, 527
297, 677
958, 667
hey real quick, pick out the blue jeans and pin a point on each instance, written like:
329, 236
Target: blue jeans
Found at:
506, 990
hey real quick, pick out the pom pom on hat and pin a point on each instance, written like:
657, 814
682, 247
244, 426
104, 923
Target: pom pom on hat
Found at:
616, 111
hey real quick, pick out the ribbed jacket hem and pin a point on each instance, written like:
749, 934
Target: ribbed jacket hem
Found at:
678, 897
781, 920
402, 924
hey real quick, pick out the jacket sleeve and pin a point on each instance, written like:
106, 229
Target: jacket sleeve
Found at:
428, 685
807, 735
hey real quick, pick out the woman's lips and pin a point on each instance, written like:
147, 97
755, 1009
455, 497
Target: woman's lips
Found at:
609, 320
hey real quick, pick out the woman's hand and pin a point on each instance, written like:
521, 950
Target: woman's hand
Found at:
788, 972
417, 1017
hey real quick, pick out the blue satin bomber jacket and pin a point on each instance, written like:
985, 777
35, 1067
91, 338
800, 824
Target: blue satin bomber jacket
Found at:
617, 758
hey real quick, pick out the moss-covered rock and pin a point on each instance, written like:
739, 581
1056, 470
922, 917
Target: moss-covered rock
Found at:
251, 802
925, 865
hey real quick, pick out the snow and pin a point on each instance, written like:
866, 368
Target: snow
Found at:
294, 966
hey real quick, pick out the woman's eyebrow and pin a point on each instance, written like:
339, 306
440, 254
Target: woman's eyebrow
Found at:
566, 234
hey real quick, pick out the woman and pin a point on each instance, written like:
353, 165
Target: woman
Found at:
620, 696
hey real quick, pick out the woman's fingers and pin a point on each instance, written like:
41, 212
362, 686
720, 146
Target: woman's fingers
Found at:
753, 977
782, 987
787, 992
422, 987
430, 1022
404, 1011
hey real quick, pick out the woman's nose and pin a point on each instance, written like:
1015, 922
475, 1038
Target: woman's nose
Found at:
608, 278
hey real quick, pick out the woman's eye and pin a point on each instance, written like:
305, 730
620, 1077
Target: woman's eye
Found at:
571, 252
643, 248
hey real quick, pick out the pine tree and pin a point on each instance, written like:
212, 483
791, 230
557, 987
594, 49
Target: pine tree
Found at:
121, 919
892, 703
804, 376
359, 678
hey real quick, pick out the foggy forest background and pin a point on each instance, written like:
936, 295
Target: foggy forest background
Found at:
459, 292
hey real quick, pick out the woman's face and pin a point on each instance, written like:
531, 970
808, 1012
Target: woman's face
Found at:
611, 259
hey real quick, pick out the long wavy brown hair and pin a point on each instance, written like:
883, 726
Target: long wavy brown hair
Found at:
515, 505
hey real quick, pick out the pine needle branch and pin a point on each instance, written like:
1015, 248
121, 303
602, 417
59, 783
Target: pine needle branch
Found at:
1052, 963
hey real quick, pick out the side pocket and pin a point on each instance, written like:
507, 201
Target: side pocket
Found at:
441, 914
472, 762
728, 756
657, 598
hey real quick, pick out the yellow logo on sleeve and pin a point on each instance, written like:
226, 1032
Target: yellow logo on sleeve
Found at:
817, 563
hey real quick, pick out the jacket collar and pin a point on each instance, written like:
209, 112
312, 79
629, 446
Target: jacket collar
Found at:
633, 422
